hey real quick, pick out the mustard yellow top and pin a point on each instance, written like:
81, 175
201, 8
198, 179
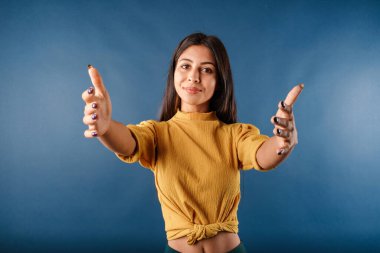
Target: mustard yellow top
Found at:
196, 159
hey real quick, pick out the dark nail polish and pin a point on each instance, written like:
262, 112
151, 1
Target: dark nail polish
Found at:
90, 90
276, 120
280, 152
94, 134
94, 105
89, 66
283, 104
94, 116
279, 131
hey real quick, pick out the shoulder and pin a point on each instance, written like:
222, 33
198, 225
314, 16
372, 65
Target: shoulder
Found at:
151, 123
242, 128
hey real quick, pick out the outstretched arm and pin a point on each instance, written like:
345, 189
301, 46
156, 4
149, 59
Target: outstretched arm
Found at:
276, 149
98, 117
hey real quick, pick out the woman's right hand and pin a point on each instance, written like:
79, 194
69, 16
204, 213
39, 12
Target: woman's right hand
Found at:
98, 109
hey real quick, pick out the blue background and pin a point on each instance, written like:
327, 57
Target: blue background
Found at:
60, 192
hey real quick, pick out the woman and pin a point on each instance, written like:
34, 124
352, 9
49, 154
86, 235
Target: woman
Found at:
197, 149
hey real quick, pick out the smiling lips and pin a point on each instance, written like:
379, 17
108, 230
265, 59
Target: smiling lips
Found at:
192, 90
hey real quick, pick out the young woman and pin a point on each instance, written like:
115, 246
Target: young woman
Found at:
196, 150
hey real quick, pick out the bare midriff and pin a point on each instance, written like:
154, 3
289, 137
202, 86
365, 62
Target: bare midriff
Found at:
222, 242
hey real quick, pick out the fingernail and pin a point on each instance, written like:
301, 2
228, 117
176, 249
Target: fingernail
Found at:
94, 134
89, 66
302, 85
283, 104
94, 116
276, 120
94, 105
90, 90
280, 152
279, 131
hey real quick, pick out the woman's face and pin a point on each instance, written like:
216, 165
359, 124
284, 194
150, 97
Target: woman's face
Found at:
195, 78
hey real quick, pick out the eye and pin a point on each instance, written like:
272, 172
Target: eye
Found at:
207, 70
185, 66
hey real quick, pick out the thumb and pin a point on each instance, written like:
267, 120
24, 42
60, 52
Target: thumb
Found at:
293, 94
96, 80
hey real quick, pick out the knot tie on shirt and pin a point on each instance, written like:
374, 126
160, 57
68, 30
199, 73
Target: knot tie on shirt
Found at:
200, 232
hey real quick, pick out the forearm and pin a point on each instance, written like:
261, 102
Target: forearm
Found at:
267, 156
118, 138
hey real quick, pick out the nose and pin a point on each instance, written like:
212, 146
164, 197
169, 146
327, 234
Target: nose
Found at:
194, 77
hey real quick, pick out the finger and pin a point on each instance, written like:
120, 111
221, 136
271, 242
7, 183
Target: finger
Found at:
90, 119
285, 108
282, 146
282, 133
293, 94
90, 108
283, 151
88, 95
90, 133
282, 122
96, 80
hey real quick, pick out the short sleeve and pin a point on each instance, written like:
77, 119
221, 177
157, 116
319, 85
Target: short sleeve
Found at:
145, 151
248, 141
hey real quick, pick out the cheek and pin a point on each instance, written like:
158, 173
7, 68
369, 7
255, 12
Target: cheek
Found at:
177, 82
175, 78
178, 77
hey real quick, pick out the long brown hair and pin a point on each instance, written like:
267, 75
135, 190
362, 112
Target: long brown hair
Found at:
223, 100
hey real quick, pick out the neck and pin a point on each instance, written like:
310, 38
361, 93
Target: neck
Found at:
194, 108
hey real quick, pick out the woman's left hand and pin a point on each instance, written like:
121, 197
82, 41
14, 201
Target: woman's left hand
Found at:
284, 123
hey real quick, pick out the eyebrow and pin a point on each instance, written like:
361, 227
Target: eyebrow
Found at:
205, 62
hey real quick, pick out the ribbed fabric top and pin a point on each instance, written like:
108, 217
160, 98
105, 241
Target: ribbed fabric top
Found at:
196, 159
196, 115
